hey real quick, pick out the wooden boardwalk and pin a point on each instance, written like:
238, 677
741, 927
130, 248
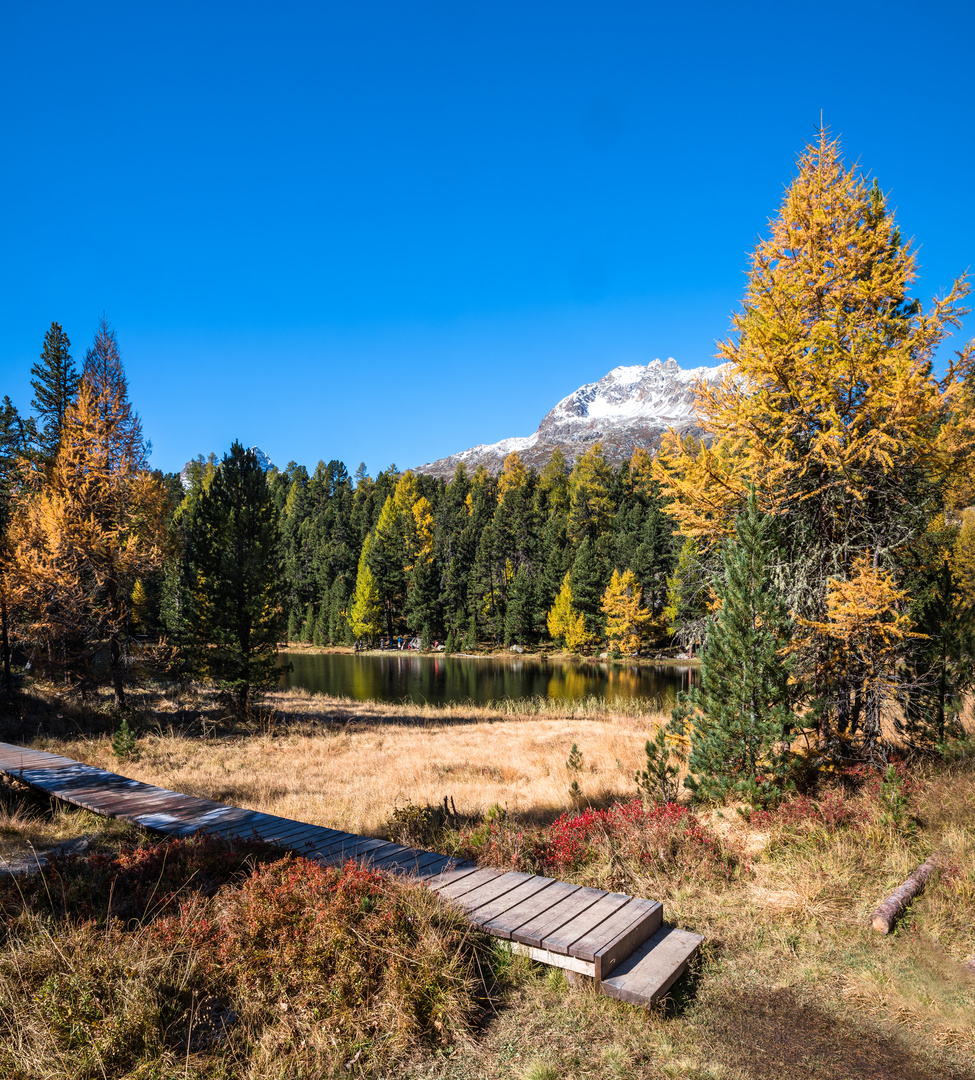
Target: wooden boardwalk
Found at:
620, 941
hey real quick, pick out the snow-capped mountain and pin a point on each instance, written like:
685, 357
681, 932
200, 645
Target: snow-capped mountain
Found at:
262, 459
629, 407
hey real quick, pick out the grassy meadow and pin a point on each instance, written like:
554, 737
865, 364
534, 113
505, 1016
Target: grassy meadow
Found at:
137, 959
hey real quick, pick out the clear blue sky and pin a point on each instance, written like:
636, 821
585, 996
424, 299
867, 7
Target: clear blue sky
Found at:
388, 231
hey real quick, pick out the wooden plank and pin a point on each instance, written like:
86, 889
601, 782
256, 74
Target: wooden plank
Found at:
645, 918
536, 931
648, 973
337, 856
496, 887
564, 937
544, 956
430, 864
452, 872
528, 910
452, 890
495, 909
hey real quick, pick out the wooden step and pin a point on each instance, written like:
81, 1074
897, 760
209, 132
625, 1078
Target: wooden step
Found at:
651, 970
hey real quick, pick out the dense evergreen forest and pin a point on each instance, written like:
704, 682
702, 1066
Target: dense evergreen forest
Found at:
819, 540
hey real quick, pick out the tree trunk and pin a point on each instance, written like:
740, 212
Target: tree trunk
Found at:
883, 919
117, 680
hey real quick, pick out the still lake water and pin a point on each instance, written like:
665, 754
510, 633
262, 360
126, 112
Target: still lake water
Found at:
440, 680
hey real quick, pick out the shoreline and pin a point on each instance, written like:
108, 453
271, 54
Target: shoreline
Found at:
498, 654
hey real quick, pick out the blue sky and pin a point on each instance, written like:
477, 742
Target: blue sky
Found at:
388, 231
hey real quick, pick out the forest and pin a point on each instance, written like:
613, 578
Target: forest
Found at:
817, 541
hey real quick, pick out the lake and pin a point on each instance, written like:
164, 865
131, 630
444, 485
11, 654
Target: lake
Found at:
440, 680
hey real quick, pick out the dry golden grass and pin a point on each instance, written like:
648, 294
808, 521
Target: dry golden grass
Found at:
349, 764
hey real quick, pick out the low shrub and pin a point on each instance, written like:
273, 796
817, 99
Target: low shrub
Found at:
664, 839
135, 883
295, 970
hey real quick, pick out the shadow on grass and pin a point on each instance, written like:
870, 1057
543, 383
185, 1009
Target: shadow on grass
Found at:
775, 1034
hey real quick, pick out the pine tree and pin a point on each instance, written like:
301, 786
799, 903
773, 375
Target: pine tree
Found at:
588, 584
565, 623
739, 733
125, 446
234, 548
55, 384
387, 561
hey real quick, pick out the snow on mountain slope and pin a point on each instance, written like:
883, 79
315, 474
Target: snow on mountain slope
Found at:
628, 407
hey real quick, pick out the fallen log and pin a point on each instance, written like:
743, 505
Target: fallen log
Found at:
893, 907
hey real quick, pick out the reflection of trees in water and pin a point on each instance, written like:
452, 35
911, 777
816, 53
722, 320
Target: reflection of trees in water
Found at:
626, 682
571, 684
397, 676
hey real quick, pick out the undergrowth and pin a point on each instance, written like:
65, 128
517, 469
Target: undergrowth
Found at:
201, 958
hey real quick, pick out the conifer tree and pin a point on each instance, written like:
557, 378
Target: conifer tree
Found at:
565, 623
590, 504
740, 728
831, 409
234, 549
126, 448
588, 585
366, 613
55, 383
624, 612
14, 450
84, 536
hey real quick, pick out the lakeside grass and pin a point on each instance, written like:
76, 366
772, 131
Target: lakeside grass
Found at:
790, 982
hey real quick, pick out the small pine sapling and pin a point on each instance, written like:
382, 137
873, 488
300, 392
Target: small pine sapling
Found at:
658, 782
574, 764
124, 746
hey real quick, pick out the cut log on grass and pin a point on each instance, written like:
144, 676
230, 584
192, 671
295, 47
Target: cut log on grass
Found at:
893, 907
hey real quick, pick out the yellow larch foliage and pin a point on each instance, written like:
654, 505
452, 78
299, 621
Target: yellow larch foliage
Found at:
83, 534
565, 623
625, 616
829, 394
514, 475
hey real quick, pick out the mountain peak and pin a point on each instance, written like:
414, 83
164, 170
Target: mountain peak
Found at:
630, 406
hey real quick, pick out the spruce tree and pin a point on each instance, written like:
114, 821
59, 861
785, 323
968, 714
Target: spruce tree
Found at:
588, 585
743, 716
234, 549
55, 384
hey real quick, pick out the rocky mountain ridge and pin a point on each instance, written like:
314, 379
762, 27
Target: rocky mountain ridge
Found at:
630, 406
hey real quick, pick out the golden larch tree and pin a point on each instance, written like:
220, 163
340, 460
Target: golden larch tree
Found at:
85, 533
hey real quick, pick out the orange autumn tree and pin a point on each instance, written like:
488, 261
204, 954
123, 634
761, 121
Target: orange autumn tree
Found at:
830, 407
85, 532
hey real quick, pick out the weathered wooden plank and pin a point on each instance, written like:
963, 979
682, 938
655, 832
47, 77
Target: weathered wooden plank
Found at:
356, 845
562, 939
645, 918
528, 910
452, 890
452, 872
493, 889
536, 931
496, 909
649, 972
430, 864
544, 956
